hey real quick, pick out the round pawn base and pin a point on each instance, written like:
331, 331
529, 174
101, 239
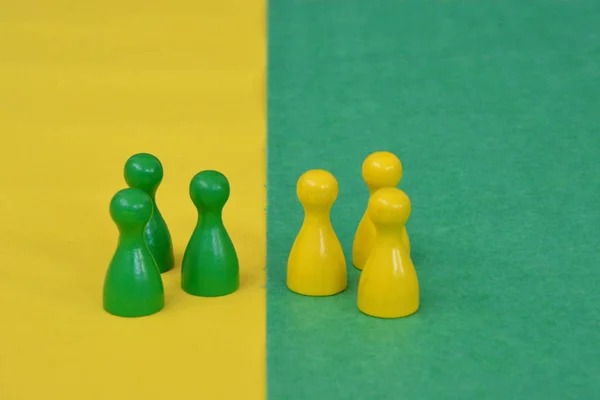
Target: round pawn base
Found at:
312, 291
387, 312
210, 290
128, 309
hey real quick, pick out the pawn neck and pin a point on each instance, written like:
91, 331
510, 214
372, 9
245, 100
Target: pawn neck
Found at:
210, 215
316, 213
390, 233
153, 197
373, 189
129, 235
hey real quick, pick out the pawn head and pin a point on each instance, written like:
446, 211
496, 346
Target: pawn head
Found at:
382, 169
389, 206
317, 188
209, 190
131, 208
144, 171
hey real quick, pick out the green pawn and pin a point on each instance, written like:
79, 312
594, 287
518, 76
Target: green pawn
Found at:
145, 172
133, 286
210, 264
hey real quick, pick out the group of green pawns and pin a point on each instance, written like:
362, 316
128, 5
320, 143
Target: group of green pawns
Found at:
133, 285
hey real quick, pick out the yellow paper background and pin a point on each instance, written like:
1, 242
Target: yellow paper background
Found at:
84, 85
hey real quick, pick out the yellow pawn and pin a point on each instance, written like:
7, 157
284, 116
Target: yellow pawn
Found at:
388, 286
380, 169
316, 265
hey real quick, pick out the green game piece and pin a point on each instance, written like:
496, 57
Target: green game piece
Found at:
133, 286
210, 263
144, 171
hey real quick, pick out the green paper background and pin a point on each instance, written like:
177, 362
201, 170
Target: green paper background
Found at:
493, 108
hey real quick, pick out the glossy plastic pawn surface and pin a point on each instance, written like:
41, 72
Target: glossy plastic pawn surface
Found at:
316, 264
133, 286
388, 286
210, 263
145, 172
380, 169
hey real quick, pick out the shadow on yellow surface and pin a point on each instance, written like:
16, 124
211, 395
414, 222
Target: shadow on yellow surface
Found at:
83, 87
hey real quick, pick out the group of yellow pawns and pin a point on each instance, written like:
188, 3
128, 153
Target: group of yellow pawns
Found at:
388, 286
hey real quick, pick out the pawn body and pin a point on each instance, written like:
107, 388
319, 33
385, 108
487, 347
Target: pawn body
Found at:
145, 172
133, 286
388, 286
364, 240
316, 264
380, 169
210, 264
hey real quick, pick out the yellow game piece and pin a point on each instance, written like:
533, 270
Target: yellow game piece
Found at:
316, 265
380, 169
388, 286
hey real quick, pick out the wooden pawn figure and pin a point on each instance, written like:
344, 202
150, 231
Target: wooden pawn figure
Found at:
133, 286
316, 264
210, 265
145, 172
388, 285
380, 169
